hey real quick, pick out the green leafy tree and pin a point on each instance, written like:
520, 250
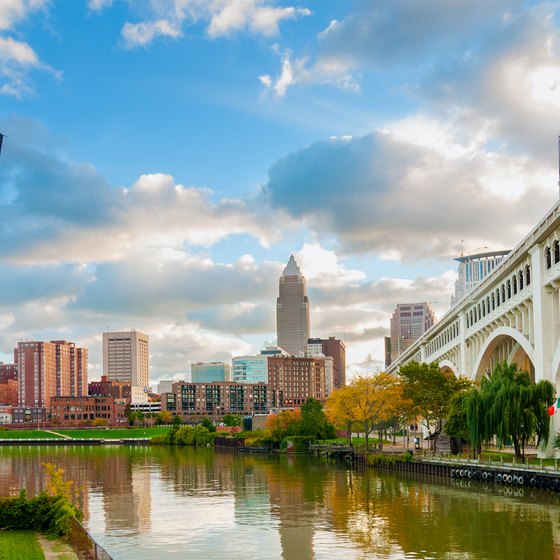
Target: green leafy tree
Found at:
314, 421
231, 420
456, 425
430, 390
208, 424
177, 420
510, 406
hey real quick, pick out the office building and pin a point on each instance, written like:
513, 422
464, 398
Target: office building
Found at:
250, 369
292, 310
126, 358
334, 348
472, 271
106, 387
207, 372
164, 386
408, 322
48, 369
293, 380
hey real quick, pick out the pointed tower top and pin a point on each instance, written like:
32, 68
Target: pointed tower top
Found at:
292, 269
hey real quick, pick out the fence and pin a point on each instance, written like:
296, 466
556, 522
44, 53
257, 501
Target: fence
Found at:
84, 545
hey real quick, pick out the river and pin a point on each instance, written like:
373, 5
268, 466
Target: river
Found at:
161, 502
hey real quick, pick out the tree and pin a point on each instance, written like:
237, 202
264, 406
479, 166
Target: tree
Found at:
367, 401
314, 421
208, 424
510, 406
231, 420
286, 423
430, 391
164, 417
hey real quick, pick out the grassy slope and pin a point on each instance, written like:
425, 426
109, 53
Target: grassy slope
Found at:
26, 434
19, 545
118, 433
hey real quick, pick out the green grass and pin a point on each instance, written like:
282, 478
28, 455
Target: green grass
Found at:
117, 433
26, 434
20, 545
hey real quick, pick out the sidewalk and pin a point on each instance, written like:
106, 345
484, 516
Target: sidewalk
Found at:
56, 549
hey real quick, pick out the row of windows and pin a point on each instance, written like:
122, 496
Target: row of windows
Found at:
503, 293
552, 252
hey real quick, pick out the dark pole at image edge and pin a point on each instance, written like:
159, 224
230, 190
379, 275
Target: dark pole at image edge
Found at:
2, 140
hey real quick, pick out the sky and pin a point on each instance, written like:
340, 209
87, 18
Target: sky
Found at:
164, 158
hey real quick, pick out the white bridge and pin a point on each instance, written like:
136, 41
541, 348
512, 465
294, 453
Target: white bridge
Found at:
513, 315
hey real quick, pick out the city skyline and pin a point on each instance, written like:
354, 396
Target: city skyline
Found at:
163, 160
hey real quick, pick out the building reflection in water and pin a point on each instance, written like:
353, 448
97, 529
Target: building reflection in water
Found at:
213, 503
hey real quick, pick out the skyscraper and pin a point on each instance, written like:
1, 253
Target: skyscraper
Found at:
292, 310
126, 358
409, 322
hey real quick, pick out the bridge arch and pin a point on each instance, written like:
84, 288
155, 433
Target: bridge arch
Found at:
507, 344
447, 365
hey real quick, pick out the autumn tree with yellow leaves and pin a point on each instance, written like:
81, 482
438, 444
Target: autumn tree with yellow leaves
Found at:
367, 401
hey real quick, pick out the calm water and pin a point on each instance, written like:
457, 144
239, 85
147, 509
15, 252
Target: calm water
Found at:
159, 502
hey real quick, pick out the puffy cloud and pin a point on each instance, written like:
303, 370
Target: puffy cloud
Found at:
142, 34
376, 192
17, 58
222, 18
13, 11
60, 211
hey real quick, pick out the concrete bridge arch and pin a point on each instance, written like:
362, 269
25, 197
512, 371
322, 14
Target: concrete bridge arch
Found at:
505, 343
448, 365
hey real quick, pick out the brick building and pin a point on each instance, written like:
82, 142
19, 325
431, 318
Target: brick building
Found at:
292, 380
109, 388
8, 371
76, 411
48, 369
216, 399
9, 392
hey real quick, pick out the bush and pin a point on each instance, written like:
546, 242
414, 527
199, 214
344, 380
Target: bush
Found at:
48, 514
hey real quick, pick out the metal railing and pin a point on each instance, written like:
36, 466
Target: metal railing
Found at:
84, 544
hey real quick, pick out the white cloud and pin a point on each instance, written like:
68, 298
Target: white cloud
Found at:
99, 5
17, 59
13, 11
222, 18
142, 34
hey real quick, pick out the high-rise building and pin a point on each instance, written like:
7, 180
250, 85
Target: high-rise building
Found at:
126, 357
250, 369
48, 369
472, 271
408, 323
293, 380
292, 310
334, 348
207, 372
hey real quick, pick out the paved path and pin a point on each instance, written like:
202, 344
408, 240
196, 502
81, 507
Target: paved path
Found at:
56, 549
57, 434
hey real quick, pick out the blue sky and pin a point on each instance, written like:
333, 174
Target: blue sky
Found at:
164, 158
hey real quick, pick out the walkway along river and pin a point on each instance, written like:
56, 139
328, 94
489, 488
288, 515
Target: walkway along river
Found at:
145, 502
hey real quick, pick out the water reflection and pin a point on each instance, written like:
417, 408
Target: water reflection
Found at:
145, 502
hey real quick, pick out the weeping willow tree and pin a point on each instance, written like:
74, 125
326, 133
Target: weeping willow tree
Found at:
509, 407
